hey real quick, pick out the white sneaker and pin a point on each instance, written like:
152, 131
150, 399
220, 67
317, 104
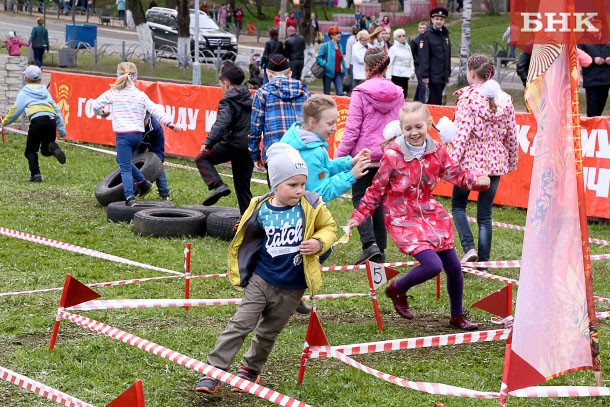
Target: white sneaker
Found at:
470, 256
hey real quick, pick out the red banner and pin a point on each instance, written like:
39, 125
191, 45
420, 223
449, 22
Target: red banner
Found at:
194, 109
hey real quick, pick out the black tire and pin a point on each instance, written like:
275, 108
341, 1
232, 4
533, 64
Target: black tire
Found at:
110, 189
169, 222
221, 224
119, 212
208, 210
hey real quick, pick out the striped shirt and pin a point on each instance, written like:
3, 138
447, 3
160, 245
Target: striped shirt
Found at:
129, 106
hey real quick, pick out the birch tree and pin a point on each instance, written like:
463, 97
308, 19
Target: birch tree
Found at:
144, 34
184, 36
465, 41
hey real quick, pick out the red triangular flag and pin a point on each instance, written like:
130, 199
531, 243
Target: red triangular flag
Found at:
315, 333
521, 374
75, 293
132, 397
496, 303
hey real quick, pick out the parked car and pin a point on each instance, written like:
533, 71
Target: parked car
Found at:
164, 28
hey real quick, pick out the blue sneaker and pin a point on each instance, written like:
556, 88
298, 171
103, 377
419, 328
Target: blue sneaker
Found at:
246, 373
208, 385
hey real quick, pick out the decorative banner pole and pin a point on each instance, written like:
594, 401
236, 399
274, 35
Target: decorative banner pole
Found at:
187, 273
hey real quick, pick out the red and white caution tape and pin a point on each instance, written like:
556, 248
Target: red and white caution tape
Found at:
363, 266
152, 303
602, 315
81, 250
600, 299
423, 342
210, 276
8, 129
485, 274
41, 389
186, 361
430, 388
561, 391
336, 296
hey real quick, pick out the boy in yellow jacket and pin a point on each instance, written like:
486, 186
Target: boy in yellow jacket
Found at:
274, 257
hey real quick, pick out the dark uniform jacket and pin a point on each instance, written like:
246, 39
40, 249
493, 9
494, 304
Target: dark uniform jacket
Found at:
435, 55
232, 126
596, 75
414, 44
272, 47
294, 48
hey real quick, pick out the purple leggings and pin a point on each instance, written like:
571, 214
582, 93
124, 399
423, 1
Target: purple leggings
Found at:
431, 264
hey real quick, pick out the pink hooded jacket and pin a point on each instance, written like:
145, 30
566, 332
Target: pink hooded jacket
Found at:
374, 103
13, 46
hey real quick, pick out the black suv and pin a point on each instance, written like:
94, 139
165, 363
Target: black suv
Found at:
162, 23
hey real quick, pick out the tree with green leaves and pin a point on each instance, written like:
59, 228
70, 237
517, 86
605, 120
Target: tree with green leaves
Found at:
144, 34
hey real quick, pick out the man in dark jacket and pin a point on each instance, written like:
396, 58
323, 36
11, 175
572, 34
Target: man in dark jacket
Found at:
435, 56
228, 140
294, 50
420, 92
596, 78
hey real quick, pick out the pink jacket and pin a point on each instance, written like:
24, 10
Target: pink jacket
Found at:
13, 46
374, 103
485, 140
403, 185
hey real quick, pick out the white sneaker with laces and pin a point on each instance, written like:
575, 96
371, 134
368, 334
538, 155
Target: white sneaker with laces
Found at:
470, 256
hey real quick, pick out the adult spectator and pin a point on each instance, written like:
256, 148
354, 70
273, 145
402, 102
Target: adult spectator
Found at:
315, 25
214, 12
222, 16
152, 4
120, 8
229, 15
420, 92
506, 38
596, 77
294, 50
291, 21
385, 22
239, 18
39, 40
435, 56
401, 61
375, 39
358, 52
523, 63
204, 7
349, 76
331, 57
272, 47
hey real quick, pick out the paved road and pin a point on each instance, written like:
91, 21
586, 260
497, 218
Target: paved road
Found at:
113, 36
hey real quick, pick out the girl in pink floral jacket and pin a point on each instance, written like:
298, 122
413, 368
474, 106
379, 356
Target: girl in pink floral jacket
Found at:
486, 141
14, 44
418, 223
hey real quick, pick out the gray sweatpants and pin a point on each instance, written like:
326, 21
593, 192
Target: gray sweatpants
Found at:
264, 307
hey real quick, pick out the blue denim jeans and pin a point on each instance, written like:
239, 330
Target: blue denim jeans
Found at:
126, 145
337, 81
459, 200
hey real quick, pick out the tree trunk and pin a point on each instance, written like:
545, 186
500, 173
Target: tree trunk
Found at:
144, 34
184, 35
465, 43
491, 6
305, 22
283, 4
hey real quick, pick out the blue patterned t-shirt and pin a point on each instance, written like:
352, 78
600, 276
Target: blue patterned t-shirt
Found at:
280, 262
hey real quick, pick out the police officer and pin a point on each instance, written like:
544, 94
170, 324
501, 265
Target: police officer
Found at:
435, 56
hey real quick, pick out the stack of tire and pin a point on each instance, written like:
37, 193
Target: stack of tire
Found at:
162, 218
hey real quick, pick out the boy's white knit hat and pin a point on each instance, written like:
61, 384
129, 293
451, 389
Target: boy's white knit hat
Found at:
32, 73
284, 162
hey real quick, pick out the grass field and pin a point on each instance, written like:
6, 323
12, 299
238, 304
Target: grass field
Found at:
96, 368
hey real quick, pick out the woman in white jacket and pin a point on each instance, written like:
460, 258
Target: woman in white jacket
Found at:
358, 51
401, 61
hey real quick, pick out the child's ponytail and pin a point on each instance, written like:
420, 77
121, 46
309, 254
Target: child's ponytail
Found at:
485, 68
127, 73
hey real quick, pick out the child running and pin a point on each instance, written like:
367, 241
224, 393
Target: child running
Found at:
45, 120
486, 140
273, 258
418, 224
329, 178
129, 107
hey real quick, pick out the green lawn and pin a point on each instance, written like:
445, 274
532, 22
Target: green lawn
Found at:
96, 368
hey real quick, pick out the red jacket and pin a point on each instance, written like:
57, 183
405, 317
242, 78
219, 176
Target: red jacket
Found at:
403, 185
